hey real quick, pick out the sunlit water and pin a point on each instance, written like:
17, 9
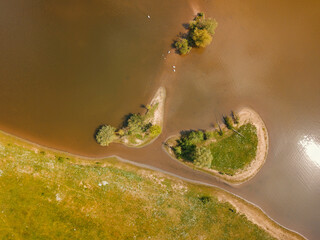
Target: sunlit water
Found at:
67, 67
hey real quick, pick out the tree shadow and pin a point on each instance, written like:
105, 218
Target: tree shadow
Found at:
185, 25
143, 106
125, 120
97, 130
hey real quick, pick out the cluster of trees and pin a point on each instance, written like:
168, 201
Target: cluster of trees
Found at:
200, 32
190, 145
134, 125
187, 148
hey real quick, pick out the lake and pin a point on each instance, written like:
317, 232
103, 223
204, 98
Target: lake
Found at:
68, 66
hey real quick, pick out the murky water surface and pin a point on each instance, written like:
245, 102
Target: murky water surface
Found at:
68, 66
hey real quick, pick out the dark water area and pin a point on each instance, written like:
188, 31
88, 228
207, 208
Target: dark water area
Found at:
68, 66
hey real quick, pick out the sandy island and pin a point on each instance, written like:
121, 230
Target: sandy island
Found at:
246, 115
159, 98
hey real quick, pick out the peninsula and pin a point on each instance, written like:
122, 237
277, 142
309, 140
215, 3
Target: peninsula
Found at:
234, 151
137, 130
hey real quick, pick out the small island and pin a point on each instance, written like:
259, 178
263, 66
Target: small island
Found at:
199, 35
234, 151
138, 130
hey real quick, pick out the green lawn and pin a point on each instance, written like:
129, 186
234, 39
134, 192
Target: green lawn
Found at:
50, 195
235, 151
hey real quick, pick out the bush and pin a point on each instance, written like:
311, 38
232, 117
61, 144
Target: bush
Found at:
220, 131
201, 37
228, 122
236, 117
203, 157
155, 130
177, 151
105, 135
121, 132
208, 135
182, 46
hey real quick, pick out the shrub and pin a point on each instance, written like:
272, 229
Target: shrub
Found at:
121, 132
177, 151
228, 122
220, 131
105, 135
182, 46
203, 157
236, 117
208, 135
155, 130
201, 37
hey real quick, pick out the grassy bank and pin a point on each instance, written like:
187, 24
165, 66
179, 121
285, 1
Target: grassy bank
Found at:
51, 195
233, 152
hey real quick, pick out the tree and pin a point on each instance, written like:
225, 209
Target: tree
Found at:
135, 124
201, 22
182, 46
155, 130
201, 37
105, 135
228, 122
203, 157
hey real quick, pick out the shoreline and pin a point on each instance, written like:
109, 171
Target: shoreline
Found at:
158, 118
253, 212
246, 115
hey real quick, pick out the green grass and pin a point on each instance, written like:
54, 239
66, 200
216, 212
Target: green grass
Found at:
50, 195
231, 152
234, 151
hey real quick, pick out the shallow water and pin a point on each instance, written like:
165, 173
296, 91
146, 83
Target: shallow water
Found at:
67, 67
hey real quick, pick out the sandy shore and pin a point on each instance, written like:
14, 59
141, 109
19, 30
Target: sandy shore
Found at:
246, 115
159, 98
257, 216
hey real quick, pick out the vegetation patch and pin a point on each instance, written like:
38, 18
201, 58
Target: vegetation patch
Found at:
225, 149
200, 33
138, 129
42, 197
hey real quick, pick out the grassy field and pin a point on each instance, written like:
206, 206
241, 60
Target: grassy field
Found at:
234, 152
230, 152
50, 195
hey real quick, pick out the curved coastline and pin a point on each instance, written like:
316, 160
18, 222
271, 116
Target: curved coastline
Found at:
159, 98
246, 115
254, 213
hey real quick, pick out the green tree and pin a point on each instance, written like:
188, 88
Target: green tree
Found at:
203, 157
155, 130
105, 135
135, 124
201, 22
182, 46
228, 122
201, 37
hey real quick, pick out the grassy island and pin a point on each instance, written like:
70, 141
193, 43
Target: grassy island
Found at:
234, 152
138, 130
199, 35
46, 194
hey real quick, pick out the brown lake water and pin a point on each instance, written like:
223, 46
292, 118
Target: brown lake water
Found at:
68, 66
